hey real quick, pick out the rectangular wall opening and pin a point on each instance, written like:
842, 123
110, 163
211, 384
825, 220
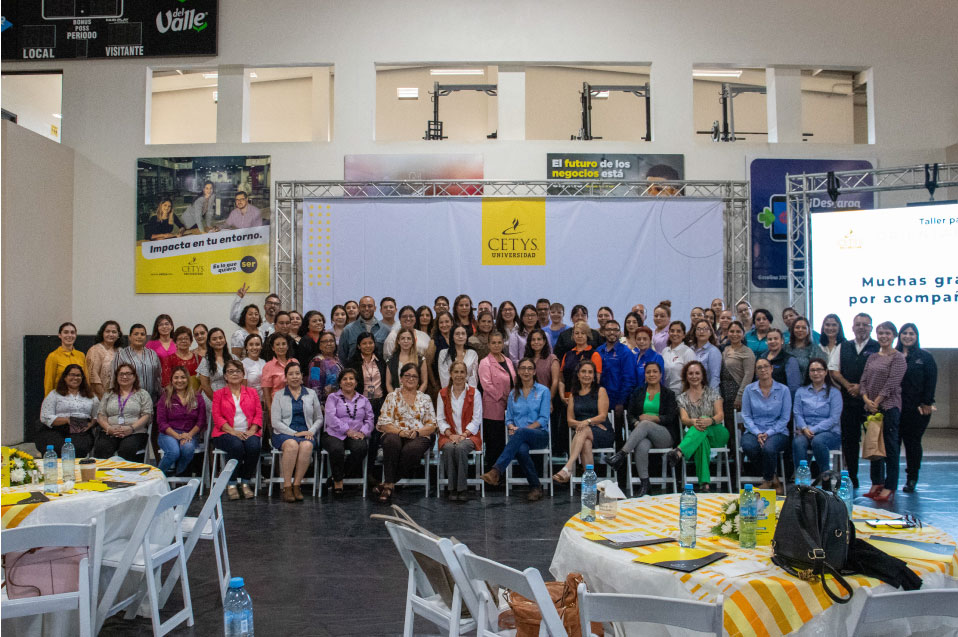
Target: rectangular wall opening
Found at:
183, 104
33, 101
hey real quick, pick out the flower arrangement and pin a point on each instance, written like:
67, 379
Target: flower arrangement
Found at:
18, 467
728, 523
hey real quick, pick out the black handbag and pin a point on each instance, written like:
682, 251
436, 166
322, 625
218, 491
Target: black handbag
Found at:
812, 537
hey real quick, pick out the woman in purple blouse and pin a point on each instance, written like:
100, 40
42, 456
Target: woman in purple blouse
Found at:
180, 417
881, 391
349, 422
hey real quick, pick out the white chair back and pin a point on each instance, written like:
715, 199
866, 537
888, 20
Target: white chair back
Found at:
604, 607
883, 607
421, 598
482, 571
58, 535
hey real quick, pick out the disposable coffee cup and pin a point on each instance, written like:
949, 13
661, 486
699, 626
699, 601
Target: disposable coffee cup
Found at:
87, 469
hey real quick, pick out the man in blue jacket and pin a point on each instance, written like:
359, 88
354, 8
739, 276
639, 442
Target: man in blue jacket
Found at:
618, 372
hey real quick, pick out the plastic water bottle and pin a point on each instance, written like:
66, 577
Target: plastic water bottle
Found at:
846, 492
68, 456
803, 475
50, 471
589, 480
746, 518
237, 610
688, 517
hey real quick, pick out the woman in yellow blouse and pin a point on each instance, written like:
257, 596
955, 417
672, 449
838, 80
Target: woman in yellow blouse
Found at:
62, 356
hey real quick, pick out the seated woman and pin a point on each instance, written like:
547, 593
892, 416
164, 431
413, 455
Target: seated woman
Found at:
527, 423
766, 409
653, 412
68, 412
407, 422
180, 417
324, 368
163, 224
125, 413
701, 412
295, 416
349, 423
457, 351
587, 413
237, 427
817, 416
459, 415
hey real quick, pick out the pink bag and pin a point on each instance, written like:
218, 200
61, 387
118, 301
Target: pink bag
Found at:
43, 571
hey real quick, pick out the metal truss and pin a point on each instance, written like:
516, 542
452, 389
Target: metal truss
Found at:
287, 219
800, 188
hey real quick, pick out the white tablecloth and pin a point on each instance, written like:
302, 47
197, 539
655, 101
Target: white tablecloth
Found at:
608, 570
122, 509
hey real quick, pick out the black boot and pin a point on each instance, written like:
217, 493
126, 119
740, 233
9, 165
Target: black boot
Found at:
617, 461
910, 486
644, 487
674, 457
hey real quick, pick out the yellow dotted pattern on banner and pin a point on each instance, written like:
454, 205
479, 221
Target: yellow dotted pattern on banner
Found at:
318, 227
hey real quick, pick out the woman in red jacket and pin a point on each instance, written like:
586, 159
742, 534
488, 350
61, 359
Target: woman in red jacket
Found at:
237, 427
496, 377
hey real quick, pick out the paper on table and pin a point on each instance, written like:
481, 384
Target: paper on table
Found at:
611, 489
737, 569
629, 536
126, 476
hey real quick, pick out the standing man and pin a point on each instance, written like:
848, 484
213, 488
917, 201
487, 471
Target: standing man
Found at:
365, 323
387, 308
270, 308
639, 309
542, 310
846, 365
564, 342
618, 372
440, 305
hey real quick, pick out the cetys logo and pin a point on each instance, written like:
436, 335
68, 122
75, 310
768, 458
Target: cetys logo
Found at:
513, 232
192, 268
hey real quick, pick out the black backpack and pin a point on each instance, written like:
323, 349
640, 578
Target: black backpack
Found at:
812, 537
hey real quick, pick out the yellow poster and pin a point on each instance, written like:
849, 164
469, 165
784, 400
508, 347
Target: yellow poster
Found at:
513, 231
202, 224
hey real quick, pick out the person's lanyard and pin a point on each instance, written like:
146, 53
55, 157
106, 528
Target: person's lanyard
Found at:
122, 403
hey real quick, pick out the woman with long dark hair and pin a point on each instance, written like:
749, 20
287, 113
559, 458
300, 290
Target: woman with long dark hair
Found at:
586, 415
99, 358
917, 399
211, 367
62, 356
69, 412
816, 414
161, 341
528, 321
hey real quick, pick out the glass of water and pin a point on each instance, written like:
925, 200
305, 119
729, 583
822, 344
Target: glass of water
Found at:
608, 507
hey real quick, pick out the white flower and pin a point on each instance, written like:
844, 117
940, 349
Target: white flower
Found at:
731, 507
17, 475
17, 462
735, 523
727, 527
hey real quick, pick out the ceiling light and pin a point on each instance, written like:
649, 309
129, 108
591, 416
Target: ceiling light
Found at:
210, 76
252, 74
716, 72
409, 93
58, 116
456, 72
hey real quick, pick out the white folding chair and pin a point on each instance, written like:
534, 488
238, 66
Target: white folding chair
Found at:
476, 460
324, 470
739, 425
57, 535
276, 456
719, 455
219, 458
200, 449
424, 481
880, 608
702, 617
482, 572
151, 557
421, 598
147, 450
208, 525
599, 453
545, 478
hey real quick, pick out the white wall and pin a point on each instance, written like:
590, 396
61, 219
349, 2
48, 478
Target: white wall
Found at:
37, 257
35, 99
104, 101
183, 117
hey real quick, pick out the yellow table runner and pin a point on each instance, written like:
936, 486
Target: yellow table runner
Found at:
764, 603
12, 514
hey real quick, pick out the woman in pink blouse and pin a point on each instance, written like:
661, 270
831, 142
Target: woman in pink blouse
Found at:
349, 422
237, 427
162, 341
497, 376
881, 391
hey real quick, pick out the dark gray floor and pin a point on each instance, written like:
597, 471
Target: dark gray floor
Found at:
324, 568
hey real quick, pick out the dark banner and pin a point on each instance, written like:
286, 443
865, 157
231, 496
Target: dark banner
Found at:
77, 29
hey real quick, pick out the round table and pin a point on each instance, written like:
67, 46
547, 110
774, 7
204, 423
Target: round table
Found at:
760, 598
79, 506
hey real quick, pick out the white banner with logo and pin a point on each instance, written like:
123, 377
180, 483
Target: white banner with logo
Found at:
594, 252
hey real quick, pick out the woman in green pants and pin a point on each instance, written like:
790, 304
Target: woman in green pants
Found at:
700, 412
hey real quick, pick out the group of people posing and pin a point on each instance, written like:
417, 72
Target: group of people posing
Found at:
496, 380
